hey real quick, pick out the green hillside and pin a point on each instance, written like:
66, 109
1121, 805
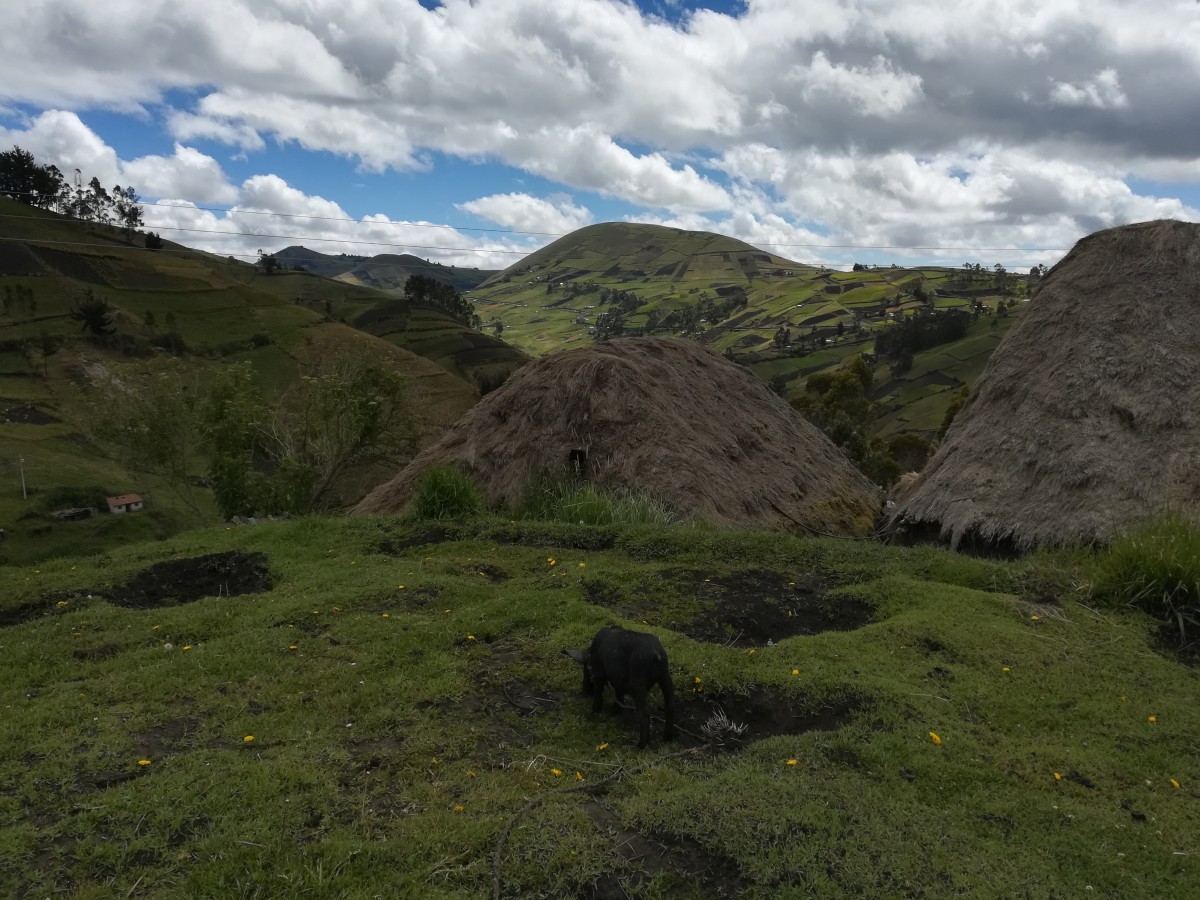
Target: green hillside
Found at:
200, 308
553, 299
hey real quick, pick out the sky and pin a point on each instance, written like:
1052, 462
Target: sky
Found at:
472, 132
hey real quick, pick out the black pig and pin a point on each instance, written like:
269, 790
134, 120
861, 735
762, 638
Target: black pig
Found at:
632, 662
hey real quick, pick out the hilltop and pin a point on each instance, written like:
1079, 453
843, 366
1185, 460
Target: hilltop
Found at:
783, 319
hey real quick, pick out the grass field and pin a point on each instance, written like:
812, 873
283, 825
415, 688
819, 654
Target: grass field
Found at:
387, 713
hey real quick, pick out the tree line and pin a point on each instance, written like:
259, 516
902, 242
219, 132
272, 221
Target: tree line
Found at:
23, 179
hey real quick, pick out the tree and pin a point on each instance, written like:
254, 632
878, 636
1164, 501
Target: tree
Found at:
153, 241
94, 314
348, 412
423, 289
498, 328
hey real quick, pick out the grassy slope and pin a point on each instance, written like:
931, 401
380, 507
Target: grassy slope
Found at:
217, 305
671, 268
386, 272
408, 702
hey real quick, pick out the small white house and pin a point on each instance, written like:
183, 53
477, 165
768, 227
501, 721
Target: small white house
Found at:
125, 503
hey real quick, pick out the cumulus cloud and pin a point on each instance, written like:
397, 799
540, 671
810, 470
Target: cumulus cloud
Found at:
1103, 91
885, 121
522, 212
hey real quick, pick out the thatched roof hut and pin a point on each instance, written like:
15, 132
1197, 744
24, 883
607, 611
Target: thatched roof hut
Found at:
660, 416
1087, 418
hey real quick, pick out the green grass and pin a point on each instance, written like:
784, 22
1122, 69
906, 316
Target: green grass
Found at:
1155, 568
408, 704
443, 492
564, 500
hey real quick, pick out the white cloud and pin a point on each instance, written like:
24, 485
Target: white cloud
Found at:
522, 212
878, 90
1103, 91
874, 121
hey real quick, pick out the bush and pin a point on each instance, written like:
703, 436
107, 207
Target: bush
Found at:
1155, 568
443, 492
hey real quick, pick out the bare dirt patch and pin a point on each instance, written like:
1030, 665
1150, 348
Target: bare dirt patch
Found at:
28, 414
178, 581
706, 872
754, 716
746, 608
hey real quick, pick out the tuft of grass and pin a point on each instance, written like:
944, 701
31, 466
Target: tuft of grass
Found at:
1155, 568
443, 492
566, 500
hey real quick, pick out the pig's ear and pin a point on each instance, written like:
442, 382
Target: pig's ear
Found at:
580, 656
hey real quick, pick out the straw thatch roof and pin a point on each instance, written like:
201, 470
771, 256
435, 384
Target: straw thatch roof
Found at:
1087, 418
660, 416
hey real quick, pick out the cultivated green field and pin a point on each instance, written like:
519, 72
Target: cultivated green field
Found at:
387, 713
550, 301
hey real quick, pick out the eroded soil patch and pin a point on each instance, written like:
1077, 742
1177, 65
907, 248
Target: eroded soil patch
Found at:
177, 581
28, 414
745, 608
708, 873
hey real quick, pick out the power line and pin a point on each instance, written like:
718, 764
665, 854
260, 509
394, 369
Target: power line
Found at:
345, 219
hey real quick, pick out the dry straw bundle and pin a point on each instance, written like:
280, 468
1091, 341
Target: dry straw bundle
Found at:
659, 416
1087, 418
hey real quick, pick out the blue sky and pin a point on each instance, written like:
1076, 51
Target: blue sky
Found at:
829, 131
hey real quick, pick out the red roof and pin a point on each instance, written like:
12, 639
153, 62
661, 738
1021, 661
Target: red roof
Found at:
124, 500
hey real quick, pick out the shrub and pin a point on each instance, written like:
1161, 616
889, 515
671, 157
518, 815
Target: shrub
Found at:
443, 492
1155, 568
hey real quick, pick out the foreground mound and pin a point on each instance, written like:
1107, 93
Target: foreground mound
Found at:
661, 416
1087, 418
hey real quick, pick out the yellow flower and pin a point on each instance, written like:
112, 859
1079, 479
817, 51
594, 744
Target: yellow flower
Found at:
61, 603
154, 628
791, 762
556, 773
603, 746
248, 739
933, 737
579, 776
795, 671
751, 652
143, 762
1034, 618
433, 760
1122, 698
583, 565
1005, 669
791, 584
386, 616
1057, 777
470, 774
458, 807
554, 562
696, 680
316, 612
1151, 719
293, 647
470, 637
1175, 784
354, 562
187, 646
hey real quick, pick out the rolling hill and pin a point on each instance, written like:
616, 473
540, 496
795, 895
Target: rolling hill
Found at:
736, 298
386, 272
202, 308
